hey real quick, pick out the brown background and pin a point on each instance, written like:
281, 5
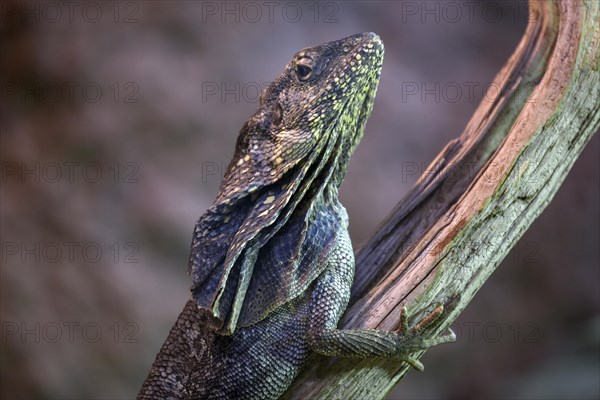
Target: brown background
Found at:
127, 90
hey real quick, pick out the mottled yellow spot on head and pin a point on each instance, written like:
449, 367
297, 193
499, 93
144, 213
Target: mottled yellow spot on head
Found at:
240, 161
269, 200
247, 157
278, 160
358, 57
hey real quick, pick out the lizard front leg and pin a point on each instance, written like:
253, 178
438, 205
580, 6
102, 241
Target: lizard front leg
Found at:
329, 300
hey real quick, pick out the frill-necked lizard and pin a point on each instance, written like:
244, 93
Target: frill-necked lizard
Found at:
271, 259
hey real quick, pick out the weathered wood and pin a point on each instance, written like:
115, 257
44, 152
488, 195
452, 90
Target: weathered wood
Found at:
446, 237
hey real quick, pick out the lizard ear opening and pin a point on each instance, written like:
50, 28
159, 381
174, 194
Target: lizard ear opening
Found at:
277, 114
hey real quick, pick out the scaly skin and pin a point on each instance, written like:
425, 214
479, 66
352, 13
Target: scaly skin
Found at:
271, 260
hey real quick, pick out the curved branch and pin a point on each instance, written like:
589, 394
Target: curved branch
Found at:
477, 198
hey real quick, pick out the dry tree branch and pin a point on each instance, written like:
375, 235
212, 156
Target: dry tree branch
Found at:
477, 198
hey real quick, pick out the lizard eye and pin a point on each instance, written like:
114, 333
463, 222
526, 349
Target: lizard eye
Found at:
304, 68
277, 114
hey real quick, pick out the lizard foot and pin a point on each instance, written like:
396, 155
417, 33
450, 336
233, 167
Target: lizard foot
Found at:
411, 339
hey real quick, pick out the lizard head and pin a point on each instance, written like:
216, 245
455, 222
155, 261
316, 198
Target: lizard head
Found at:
322, 98
279, 194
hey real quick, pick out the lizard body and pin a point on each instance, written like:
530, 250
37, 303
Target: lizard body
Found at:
271, 260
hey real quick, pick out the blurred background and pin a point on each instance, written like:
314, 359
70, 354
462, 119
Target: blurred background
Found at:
119, 118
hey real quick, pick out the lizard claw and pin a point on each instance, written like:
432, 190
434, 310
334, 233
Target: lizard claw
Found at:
411, 340
416, 364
